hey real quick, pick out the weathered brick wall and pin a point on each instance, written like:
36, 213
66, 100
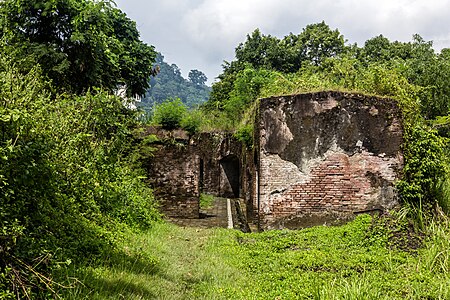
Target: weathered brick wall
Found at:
216, 151
174, 175
326, 156
318, 158
183, 167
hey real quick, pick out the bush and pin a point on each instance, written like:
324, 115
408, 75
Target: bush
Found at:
65, 188
245, 135
170, 113
192, 121
425, 167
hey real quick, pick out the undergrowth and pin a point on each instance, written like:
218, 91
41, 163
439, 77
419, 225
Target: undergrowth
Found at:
364, 259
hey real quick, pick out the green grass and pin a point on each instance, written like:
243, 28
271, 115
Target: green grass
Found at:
353, 261
167, 262
206, 201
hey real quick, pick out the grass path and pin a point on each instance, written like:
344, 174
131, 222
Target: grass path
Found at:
168, 262
354, 261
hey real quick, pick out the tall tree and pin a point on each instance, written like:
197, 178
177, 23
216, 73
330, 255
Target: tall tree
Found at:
78, 43
259, 50
197, 77
313, 45
169, 84
318, 41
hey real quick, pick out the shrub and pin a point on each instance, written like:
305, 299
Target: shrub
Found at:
425, 166
65, 189
245, 134
170, 113
192, 121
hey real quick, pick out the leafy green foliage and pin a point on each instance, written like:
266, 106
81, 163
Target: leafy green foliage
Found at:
192, 121
173, 114
169, 113
419, 64
245, 135
78, 43
315, 43
318, 42
65, 188
425, 167
169, 83
317, 59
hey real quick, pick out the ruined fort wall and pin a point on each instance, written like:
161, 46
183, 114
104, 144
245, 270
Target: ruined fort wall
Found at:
326, 156
174, 176
317, 158
182, 167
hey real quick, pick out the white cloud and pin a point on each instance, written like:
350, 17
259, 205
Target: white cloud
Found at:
202, 33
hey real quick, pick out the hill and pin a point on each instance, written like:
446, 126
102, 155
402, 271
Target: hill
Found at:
169, 83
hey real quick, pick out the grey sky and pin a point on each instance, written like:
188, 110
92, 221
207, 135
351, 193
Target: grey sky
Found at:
201, 34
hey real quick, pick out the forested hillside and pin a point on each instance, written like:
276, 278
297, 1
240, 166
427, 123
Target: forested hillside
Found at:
170, 84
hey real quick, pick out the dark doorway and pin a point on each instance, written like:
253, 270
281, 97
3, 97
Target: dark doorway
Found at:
231, 169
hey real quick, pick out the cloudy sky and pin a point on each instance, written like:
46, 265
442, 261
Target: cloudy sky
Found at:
201, 34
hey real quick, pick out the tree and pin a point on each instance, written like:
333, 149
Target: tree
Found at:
78, 43
197, 77
317, 42
260, 51
431, 71
169, 83
380, 50
313, 45
377, 49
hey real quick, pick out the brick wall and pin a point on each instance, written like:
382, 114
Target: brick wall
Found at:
324, 157
318, 158
174, 175
183, 167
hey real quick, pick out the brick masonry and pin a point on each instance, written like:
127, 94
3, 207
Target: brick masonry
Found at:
318, 158
183, 167
324, 157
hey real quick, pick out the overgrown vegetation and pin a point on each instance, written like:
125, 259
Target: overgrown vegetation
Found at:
65, 185
172, 114
318, 59
77, 220
67, 192
77, 43
361, 260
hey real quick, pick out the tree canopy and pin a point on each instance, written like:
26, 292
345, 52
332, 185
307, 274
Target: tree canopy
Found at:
169, 84
320, 48
197, 77
79, 44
